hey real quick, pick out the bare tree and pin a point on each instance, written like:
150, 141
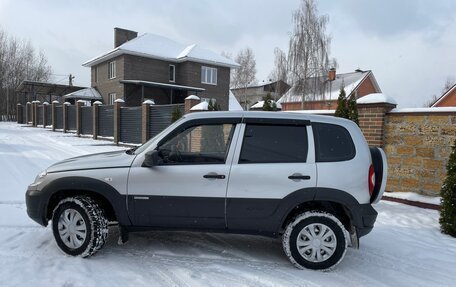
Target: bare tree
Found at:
449, 83
18, 61
280, 71
245, 75
308, 50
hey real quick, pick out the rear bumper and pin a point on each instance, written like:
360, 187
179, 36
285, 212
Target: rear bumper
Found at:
36, 206
364, 219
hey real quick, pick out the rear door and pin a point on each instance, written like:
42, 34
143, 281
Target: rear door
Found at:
273, 159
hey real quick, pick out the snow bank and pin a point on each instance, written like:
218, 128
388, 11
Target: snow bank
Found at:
376, 98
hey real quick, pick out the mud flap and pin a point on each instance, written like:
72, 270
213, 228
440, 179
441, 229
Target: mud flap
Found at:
354, 239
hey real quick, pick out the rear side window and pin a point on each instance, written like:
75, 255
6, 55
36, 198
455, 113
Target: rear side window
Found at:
274, 144
332, 143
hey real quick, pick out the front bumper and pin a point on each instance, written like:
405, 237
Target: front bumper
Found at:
36, 206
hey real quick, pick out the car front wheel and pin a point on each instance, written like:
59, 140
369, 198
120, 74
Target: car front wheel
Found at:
80, 226
315, 240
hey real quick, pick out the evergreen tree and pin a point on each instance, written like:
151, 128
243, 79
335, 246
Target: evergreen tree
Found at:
342, 109
269, 105
177, 114
448, 194
353, 109
213, 106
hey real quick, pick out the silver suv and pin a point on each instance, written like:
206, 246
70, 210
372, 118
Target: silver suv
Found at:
309, 179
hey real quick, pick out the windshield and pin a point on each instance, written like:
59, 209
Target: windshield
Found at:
152, 140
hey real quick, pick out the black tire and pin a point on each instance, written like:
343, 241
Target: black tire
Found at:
321, 222
87, 216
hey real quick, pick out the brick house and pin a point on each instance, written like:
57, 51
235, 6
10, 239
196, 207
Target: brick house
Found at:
248, 96
359, 83
448, 99
155, 67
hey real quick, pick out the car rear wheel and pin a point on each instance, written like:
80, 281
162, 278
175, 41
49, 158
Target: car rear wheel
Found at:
80, 226
315, 240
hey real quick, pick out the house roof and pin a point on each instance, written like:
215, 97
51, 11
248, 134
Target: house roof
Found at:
43, 88
84, 94
350, 82
446, 94
162, 48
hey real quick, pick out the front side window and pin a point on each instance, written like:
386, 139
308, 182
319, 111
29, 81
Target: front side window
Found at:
332, 143
200, 144
112, 70
208, 75
112, 98
274, 144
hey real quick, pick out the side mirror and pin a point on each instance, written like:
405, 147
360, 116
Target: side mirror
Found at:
152, 158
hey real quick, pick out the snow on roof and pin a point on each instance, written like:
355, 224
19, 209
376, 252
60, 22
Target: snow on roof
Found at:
159, 47
203, 106
233, 104
425, 110
350, 81
260, 104
376, 98
84, 94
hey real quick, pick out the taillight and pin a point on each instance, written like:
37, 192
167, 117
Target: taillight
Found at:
371, 180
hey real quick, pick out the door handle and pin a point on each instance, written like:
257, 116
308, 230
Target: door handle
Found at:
298, 176
214, 176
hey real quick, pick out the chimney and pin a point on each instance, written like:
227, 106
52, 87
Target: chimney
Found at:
332, 74
123, 35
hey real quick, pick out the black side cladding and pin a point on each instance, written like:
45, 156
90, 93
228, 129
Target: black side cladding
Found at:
377, 162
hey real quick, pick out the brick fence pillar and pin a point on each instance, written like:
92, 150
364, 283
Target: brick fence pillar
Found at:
95, 118
372, 110
79, 105
45, 117
145, 118
54, 114
118, 104
35, 113
191, 101
65, 116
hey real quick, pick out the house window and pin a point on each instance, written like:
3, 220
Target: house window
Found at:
112, 70
172, 73
208, 75
112, 97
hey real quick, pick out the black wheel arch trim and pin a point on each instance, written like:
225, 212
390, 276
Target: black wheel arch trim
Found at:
89, 185
356, 211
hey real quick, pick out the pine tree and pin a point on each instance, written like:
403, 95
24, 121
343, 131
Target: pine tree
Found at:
213, 106
448, 194
269, 105
342, 110
177, 114
353, 109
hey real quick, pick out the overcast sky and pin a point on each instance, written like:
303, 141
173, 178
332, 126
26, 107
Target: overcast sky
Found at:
410, 45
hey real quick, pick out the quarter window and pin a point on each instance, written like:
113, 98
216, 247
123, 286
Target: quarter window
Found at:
274, 144
201, 144
208, 75
332, 143
112, 70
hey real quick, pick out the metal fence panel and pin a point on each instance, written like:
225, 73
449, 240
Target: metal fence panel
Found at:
39, 111
28, 111
130, 124
160, 117
86, 121
49, 115
59, 117
71, 117
106, 121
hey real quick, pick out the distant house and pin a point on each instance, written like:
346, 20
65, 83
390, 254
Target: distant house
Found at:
359, 83
448, 99
155, 67
253, 94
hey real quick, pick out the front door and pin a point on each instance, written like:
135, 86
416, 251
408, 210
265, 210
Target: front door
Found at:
187, 188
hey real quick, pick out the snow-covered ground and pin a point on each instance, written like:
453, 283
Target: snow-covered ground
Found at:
404, 249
